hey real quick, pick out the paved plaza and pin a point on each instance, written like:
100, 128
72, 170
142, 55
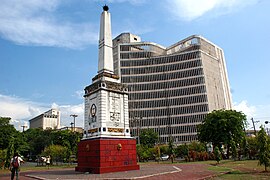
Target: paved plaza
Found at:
147, 171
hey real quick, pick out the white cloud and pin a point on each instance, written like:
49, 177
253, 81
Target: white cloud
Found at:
259, 113
79, 94
33, 22
21, 110
192, 9
18, 108
247, 109
67, 110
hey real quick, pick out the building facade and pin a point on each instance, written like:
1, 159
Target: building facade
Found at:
171, 90
46, 120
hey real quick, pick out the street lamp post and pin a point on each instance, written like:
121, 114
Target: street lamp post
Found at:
74, 117
24, 126
253, 122
71, 125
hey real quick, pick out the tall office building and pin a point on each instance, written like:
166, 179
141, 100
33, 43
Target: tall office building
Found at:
171, 90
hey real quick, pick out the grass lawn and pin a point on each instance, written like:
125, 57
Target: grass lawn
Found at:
238, 170
234, 170
37, 168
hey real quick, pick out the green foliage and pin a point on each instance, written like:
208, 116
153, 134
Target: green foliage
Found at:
217, 154
58, 153
252, 147
4, 121
171, 152
182, 151
157, 153
3, 155
244, 147
171, 148
164, 149
197, 146
20, 144
6, 131
10, 151
222, 127
33, 142
39, 139
144, 153
148, 137
233, 149
264, 148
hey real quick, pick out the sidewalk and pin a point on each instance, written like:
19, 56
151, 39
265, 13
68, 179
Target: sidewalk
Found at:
147, 171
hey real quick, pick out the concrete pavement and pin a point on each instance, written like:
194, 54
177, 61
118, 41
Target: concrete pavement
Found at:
148, 171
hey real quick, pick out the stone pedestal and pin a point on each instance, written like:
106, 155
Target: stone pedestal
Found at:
104, 155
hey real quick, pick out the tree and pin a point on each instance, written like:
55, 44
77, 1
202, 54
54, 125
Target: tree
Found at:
3, 154
264, 148
144, 153
171, 150
233, 149
222, 127
217, 154
37, 139
182, 151
244, 148
252, 145
57, 152
6, 131
10, 151
148, 137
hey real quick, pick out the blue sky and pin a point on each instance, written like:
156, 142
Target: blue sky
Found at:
48, 49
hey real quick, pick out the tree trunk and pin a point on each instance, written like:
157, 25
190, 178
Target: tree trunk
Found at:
228, 152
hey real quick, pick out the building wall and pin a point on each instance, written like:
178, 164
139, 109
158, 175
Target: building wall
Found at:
172, 89
36, 122
48, 120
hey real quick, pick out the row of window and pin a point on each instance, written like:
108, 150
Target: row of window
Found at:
135, 55
162, 68
163, 76
167, 102
178, 139
160, 60
141, 47
171, 111
171, 130
166, 84
166, 121
167, 93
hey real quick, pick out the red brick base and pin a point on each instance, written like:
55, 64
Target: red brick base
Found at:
104, 155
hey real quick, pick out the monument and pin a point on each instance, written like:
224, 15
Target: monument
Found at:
107, 145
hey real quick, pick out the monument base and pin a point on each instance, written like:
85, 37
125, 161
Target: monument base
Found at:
104, 155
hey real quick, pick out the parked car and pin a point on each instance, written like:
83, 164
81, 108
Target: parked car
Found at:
164, 157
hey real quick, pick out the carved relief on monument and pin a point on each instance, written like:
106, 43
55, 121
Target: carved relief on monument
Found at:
105, 84
93, 130
92, 114
116, 130
116, 86
115, 108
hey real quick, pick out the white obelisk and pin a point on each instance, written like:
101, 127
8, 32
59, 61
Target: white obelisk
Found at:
105, 58
106, 99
